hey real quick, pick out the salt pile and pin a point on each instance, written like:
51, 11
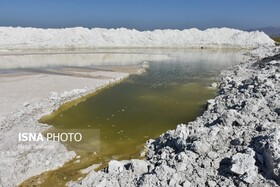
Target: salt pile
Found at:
26, 38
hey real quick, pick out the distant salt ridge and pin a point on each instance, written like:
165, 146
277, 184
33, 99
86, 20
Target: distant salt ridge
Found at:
25, 38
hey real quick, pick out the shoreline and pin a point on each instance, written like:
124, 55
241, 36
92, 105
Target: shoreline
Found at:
109, 50
27, 159
235, 141
97, 50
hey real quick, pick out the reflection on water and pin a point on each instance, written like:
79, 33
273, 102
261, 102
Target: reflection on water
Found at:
114, 57
170, 92
87, 59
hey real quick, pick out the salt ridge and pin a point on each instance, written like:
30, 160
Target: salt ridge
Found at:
78, 37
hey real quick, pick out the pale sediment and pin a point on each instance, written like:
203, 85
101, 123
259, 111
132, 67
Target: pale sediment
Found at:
24, 100
234, 143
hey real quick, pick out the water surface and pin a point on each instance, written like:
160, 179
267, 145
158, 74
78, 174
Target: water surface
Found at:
173, 90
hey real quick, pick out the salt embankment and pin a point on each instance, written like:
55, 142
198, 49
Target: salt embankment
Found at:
33, 38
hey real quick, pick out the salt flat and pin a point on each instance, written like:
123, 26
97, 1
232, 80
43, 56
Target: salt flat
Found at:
24, 99
19, 90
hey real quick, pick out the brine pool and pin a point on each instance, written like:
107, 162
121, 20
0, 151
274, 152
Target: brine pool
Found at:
117, 121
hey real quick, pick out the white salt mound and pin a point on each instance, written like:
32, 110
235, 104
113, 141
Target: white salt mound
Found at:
24, 38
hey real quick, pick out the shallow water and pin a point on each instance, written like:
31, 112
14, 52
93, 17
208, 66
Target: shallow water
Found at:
117, 121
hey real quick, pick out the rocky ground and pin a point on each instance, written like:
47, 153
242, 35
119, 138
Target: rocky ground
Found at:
236, 142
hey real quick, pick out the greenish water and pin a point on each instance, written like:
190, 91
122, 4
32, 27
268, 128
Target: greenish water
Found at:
141, 107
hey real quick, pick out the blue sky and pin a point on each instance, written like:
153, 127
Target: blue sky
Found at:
140, 14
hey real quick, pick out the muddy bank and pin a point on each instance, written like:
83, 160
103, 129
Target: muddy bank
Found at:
234, 143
